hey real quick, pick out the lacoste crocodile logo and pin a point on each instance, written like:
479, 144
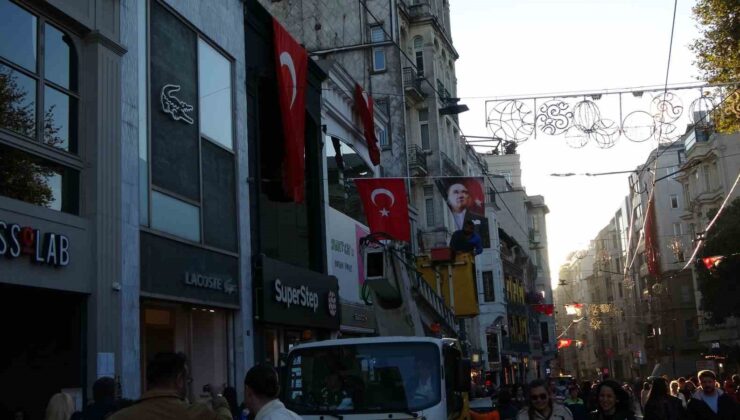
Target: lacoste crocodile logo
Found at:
172, 105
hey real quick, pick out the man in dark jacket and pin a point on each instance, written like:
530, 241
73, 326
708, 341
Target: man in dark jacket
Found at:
709, 403
104, 390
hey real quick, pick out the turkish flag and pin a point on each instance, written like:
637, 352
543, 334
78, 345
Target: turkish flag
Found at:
364, 104
564, 342
712, 262
291, 62
573, 308
386, 208
544, 308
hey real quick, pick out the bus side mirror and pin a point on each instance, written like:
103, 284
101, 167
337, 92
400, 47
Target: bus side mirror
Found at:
463, 376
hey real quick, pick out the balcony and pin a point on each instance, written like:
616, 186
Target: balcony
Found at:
421, 9
449, 167
412, 86
444, 95
417, 160
534, 236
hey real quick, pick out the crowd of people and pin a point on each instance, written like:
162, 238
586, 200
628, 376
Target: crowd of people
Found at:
702, 397
168, 379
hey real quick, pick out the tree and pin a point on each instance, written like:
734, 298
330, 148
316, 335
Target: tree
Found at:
23, 176
720, 287
718, 55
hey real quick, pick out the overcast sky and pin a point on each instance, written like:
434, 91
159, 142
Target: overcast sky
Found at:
516, 47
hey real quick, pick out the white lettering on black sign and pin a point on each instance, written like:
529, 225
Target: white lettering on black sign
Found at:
50, 249
210, 282
301, 296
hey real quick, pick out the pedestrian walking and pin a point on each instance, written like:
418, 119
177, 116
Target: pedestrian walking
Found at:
104, 390
168, 378
541, 405
261, 389
644, 394
661, 405
710, 403
506, 407
613, 403
575, 404
636, 408
676, 392
60, 407
730, 390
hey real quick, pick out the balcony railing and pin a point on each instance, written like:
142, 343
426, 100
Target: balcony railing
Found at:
412, 84
434, 301
417, 159
444, 95
449, 166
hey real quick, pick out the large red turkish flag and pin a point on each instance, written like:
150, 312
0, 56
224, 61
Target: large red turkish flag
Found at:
291, 63
386, 208
364, 104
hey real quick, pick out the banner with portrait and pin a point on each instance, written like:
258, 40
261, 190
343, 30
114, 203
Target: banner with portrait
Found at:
466, 200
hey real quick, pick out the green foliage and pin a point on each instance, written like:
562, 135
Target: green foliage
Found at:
721, 289
22, 176
718, 54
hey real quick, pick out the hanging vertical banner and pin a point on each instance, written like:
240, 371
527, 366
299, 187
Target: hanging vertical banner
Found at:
652, 254
386, 206
364, 104
466, 200
291, 62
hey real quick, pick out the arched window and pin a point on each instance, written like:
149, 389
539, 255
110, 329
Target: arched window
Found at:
343, 163
419, 55
39, 94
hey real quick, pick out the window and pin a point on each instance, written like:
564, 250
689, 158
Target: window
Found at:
674, 201
342, 164
382, 135
424, 128
506, 175
671, 171
378, 35
489, 295
685, 294
429, 204
705, 175
535, 220
677, 229
419, 55
689, 327
620, 290
214, 92
175, 216
38, 102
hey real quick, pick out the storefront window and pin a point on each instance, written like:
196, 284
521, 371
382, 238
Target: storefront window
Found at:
343, 163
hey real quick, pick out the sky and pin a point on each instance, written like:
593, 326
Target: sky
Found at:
531, 47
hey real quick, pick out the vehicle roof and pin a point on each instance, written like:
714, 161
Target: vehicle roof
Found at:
373, 340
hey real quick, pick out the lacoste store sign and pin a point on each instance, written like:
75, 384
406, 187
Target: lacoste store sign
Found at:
43, 248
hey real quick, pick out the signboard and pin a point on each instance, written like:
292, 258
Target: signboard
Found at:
172, 268
345, 261
291, 295
43, 248
706, 365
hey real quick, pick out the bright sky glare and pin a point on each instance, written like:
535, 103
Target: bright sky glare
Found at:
516, 47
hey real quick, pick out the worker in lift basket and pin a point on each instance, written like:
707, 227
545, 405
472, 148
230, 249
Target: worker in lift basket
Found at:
466, 240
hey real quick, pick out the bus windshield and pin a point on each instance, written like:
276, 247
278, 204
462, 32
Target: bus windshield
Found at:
363, 378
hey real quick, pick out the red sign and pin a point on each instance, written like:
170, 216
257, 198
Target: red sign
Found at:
386, 208
364, 104
291, 62
546, 309
564, 342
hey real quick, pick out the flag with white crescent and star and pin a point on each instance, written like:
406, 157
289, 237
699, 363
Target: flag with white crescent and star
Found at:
291, 62
386, 206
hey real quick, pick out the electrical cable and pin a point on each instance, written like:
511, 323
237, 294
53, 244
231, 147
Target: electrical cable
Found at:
711, 224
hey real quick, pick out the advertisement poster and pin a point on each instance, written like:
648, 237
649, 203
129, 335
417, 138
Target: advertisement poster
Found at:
466, 200
343, 252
